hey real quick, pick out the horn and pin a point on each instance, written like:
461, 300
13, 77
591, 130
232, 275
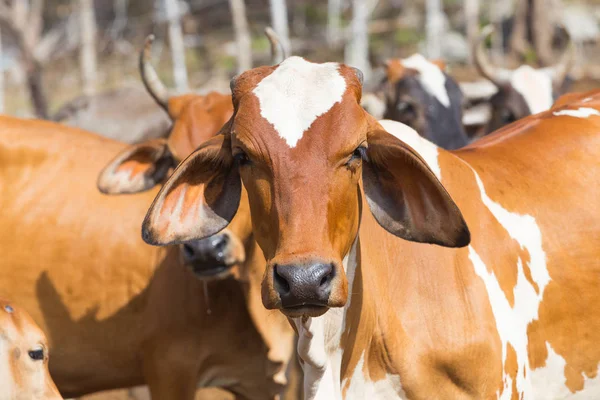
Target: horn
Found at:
499, 76
277, 50
359, 75
560, 70
152, 82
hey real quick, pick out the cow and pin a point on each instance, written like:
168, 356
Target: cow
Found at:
523, 91
474, 272
117, 312
140, 167
23, 357
420, 94
127, 114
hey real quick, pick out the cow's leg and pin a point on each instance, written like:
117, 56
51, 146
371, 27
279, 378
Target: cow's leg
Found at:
169, 382
169, 372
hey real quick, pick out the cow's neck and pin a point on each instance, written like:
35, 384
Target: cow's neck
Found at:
320, 339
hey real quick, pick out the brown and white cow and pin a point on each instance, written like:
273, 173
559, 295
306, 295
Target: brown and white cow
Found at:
523, 91
475, 273
23, 357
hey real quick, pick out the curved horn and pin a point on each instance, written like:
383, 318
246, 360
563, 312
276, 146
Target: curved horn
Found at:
277, 50
560, 70
152, 82
499, 76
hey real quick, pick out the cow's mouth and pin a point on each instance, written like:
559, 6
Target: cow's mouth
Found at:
212, 271
306, 310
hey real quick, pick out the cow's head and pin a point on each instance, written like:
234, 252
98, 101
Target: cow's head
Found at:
420, 94
523, 91
301, 145
140, 167
23, 357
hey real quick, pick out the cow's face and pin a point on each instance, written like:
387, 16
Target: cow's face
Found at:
23, 357
405, 101
141, 166
301, 144
507, 106
420, 94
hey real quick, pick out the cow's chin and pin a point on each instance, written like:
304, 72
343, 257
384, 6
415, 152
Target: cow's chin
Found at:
212, 272
304, 311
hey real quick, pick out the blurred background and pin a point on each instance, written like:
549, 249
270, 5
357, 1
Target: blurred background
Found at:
55, 50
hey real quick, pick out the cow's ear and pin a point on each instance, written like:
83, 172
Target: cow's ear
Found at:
137, 168
405, 196
199, 199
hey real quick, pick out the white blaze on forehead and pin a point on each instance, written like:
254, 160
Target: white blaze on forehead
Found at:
297, 93
431, 77
535, 86
581, 112
424, 147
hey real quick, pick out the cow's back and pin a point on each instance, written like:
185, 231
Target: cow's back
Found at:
540, 180
68, 253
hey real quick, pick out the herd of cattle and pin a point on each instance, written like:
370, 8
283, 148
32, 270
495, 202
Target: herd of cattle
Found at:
300, 240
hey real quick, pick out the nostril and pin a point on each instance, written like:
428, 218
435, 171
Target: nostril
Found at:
327, 276
281, 284
188, 251
220, 242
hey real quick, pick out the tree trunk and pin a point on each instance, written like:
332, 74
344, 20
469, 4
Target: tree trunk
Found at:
472, 22
177, 48
279, 19
542, 30
242, 35
1, 80
519, 37
120, 22
357, 49
334, 22
36, 88
497, 39
87, 53
433, 26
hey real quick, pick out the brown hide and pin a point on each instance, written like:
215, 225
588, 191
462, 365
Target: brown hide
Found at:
117, 312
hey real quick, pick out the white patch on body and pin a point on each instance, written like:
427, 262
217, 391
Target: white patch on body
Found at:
296, 93
535, 86
581, 112
512, 322
431, 77
550, 382
361, 388
424, 147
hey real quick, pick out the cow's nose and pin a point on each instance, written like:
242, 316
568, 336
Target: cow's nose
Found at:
300, 285
209, 250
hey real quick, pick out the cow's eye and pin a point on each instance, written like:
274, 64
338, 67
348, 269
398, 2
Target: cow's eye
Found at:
241, 158
507, 117
360, 153
36, 354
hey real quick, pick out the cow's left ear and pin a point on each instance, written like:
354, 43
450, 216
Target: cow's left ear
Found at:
405, 196
137, 168
199, 199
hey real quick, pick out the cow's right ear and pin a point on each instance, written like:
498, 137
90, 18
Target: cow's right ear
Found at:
199, 199
137, 168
